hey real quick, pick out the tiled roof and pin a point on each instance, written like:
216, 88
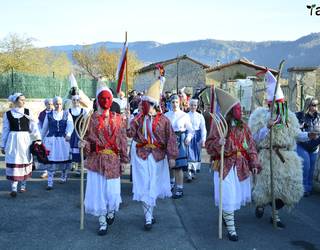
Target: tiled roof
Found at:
170, 61
240, 61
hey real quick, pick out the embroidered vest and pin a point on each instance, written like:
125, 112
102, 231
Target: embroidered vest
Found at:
18, 124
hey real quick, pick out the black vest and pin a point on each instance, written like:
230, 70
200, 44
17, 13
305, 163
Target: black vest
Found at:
18, 124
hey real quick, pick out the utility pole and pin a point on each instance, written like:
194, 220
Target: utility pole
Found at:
177, 83
12, 76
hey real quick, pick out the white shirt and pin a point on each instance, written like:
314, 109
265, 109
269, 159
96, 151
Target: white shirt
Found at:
58, 117
198, 122
18, 113
76, 111
180, 121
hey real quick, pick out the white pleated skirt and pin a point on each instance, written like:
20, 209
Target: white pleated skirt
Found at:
102, 194
235, 193
151, 179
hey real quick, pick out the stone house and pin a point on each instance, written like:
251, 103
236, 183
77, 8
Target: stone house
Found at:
303, 82
226, 76
240, 68
180, 72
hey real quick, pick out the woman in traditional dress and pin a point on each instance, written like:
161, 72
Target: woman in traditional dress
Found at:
76, 112
49, 107
19, 129
56, 132
182, 127
197, 141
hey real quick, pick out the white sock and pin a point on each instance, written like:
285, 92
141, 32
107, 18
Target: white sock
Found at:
189, 174
102, 222
14, 186
64, 175
198, 165
180, 186
147, 212
23, 185
50, 178
229, 220
172, 182
276, 214
110, 214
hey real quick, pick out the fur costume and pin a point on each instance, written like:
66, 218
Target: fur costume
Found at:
288, 175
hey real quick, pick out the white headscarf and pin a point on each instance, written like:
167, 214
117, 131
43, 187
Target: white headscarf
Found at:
14, 97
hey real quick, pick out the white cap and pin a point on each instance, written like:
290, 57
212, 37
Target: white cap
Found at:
101, 86
271, 85
14, 97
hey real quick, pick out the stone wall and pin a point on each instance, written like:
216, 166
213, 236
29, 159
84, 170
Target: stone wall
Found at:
190, 74
301, 85
304, 82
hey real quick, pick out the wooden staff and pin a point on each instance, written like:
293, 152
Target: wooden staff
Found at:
270, 149
222, 127
81, 127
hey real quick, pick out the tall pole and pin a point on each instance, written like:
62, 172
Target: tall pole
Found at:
177, 83
127, 79
12, 76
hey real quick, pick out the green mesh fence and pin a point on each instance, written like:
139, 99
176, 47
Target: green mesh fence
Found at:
35, 86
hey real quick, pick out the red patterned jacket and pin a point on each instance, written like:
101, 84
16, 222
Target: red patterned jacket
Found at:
107, 147
165, 138
244, 158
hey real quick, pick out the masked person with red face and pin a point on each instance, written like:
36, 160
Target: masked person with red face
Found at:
105, 147
240, 160
153, 147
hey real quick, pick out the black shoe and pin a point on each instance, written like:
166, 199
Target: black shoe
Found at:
259, 211
148, 226
279, 224
153, 221
48, 188
110, 220
13, 194
189, 179
233, 237
102, 232
178, 194
306, 194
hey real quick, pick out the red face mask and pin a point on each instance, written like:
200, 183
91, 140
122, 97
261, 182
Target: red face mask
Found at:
236, 112
145, 107
105, 99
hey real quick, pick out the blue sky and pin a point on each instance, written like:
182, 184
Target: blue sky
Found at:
61, 22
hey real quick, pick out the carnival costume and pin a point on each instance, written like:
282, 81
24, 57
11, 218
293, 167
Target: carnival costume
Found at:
106, 152
287, 170
154, 144
240, 158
